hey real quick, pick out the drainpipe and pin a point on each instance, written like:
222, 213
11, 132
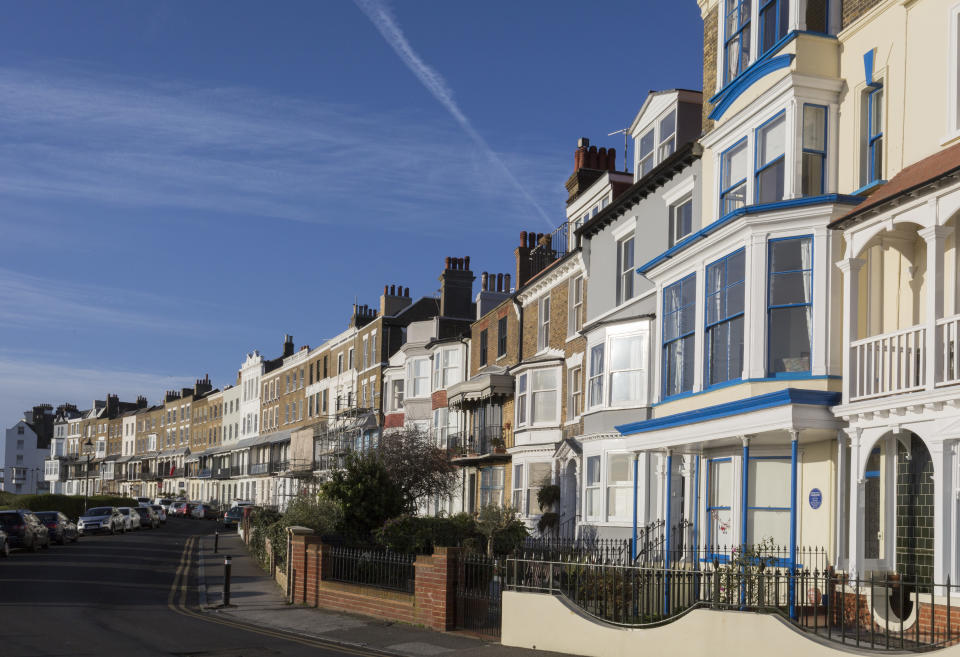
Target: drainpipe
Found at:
633, 542
696, 511
666, 553
744, 490
793, 522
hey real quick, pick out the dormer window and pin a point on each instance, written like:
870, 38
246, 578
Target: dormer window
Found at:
645, 153
668, 136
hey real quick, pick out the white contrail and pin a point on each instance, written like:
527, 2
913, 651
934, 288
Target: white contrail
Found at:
379, 14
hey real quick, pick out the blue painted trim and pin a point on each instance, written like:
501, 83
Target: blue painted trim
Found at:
696, 502
869, 187
844, 199
793, 524
872, 474
760, 402
826, 144
771, 274
723, 261
633, 543
763, 66
782, 376
868, 66
742, 181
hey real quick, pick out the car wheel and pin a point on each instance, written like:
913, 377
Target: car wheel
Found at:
113, 529
63, 539
76, 537
5, 551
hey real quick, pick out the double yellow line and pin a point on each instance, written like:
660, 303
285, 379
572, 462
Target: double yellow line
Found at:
180, 587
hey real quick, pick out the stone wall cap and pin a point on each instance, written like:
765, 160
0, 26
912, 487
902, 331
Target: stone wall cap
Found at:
297, 530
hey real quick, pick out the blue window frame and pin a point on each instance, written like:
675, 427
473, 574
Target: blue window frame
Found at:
679, 320
774, 16
736, 42
770, 157
733, 177
724, 318
875, 134
789, 305
814, 165
719, 507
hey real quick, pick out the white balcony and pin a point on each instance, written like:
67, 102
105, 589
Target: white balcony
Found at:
896, 363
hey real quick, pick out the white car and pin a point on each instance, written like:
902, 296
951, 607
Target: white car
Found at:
160, 512
131, 519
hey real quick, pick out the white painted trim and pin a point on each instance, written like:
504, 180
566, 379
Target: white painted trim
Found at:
626, 229
680, 190
953, 74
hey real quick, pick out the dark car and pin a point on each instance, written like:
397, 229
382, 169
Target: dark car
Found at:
233, 517
24, 530
4, 546
148, 517
60, 527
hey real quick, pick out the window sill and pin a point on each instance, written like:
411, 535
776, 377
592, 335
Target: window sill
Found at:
869, 187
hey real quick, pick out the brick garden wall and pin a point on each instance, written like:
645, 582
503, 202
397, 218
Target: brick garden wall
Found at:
432, 604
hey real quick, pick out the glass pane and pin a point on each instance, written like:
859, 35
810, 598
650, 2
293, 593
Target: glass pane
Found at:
763, 525
688, 361
683, 220
789, 339
619, 468
596, 360
790, 255
625, 352
772, 140
814, 127
721, 483
545, 406
688, 291
593, 470
626, 255
715, 277
812, 174
735, 164
522, 383
734, 199
877, 159
671, 298
668, 125
769, 483
539, 474
721, 527
625, 387
770, 183
768, 23
666, 149
687, 319
735, 267
790, 288
593, 503
618, 503
544, 379
876, 112
646, 144
717, 342
714, 308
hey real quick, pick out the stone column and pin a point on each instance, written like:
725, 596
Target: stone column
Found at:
856, 505
935, 237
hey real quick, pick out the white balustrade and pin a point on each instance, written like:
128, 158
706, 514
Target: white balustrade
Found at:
888, 364
948, 341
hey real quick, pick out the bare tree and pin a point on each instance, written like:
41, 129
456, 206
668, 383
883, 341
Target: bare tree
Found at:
417, 466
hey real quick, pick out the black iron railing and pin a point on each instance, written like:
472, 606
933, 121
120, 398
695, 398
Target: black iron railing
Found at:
223, 472
466, 444
549, 247
279, 465
374, 567
259, 468
888, 612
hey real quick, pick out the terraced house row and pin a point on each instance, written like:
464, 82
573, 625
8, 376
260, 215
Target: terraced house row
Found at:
751, 335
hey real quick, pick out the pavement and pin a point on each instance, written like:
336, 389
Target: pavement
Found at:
256, 600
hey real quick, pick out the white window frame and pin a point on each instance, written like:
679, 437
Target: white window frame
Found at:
593, 487
543, 322
953, 73
575, 312
413, 378
574, 392
675, 235
446, 374
626, 272
651, 156
643, 369
531, 506
516, 497
663, 140
609, 486
596, 376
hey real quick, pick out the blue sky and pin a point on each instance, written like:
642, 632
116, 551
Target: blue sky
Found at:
184, 182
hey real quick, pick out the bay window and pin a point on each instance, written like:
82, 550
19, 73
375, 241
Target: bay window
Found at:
543, 389
538, 476
626, 369
418, 377
720, 502
724, 318
491, 486
595, 385
790, 305
679, 317
768, 500
814, 157
522, 400
619, 486
592, 502
771, 160
446, 368
733, 177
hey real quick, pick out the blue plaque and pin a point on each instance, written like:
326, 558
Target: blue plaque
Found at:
816, 498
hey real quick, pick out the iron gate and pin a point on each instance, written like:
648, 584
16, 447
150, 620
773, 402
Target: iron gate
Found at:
479, 586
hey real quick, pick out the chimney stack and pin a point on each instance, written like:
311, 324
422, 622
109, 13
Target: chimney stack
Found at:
393, 300
287, 345
522, 255
456, 288
589, 164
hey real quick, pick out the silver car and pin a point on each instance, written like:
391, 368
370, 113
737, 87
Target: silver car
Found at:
101, 519
131, 519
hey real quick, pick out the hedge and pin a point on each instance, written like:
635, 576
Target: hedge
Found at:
69, 505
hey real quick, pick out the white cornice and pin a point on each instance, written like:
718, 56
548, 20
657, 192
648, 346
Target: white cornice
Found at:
551, 278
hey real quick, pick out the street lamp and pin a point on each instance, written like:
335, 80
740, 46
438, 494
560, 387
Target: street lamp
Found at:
88, 444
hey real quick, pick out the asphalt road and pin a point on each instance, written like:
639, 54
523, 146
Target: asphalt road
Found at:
130, 594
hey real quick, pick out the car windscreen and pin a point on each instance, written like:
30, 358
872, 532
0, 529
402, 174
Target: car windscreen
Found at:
9, 519
99, 511
143, 512
47, 516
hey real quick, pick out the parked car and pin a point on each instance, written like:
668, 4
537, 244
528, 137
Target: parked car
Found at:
144, 500
4, 545
148, 517
204, 512
101, 519
177, 509
24, 530
130, 519
60, 527
161, 513
165, 502
233, 517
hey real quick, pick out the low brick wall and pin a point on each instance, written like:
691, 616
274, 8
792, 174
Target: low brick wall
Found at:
432, 604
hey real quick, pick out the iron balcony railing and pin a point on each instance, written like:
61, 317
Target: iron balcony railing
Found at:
281, 465
466, 444
223, 472
237, 470
205, 473
548, 248
376, 567
259, 468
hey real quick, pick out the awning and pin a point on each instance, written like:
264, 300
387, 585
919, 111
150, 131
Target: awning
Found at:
480, 387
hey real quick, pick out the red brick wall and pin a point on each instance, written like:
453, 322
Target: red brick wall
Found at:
433, 603
439, 399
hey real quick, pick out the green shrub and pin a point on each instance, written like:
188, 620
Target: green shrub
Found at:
70, 505
421, 534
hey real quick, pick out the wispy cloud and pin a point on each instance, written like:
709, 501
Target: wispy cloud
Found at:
383, 19
28, 301
25, 382
74, 136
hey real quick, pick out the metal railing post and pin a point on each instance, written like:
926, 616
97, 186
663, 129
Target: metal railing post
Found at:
227, 563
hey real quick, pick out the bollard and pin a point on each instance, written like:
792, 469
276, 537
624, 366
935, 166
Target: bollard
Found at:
216, 541
226, 580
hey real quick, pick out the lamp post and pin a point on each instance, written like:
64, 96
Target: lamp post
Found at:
88, 444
